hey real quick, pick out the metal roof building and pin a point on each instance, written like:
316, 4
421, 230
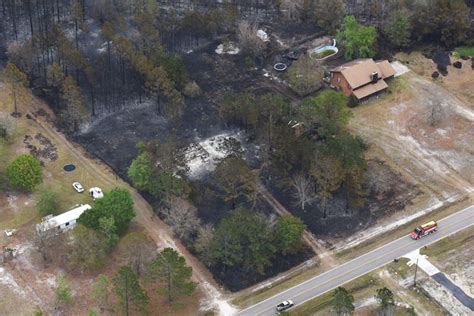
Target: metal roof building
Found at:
63, 221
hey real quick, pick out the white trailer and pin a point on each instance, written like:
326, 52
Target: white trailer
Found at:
62, 222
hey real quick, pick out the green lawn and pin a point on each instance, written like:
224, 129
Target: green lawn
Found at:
465, 51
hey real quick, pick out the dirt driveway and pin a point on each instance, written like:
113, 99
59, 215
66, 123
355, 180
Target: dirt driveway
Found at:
439, 159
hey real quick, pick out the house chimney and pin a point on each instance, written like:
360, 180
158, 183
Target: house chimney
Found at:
374, 77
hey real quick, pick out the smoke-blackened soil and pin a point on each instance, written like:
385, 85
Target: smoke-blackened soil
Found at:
386, 193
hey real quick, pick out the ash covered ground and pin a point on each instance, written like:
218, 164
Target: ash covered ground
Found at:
206, 139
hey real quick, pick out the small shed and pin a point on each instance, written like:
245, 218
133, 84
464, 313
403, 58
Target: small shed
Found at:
64, 221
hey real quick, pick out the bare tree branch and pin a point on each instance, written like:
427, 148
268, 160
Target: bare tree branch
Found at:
304, 193
181, 216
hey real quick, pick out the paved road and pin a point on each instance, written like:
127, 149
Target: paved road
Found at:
361, 265
456, 290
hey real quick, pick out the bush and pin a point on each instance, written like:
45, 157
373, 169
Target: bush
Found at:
192, 89
24, 173
47, 202
3, 132
465, 51
250, 43
353, 101
289, 232
306, 75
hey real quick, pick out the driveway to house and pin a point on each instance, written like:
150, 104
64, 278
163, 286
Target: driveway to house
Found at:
361, 265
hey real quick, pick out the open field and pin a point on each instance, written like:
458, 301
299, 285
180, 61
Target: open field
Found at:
457, 81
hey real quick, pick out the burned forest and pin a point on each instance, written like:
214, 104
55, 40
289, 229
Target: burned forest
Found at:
253, 138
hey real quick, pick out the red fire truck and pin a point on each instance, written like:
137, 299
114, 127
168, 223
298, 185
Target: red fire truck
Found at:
423, 230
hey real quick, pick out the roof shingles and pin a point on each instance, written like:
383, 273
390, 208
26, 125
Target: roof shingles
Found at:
358, 74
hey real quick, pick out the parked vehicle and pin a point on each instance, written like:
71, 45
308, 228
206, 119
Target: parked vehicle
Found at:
283, 306
423, 230
78, 187
96, 193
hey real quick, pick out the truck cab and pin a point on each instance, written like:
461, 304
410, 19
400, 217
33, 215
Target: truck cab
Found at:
423, 230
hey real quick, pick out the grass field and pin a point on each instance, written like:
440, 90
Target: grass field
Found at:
250, 298
443, 247
54, 175
465, 51
359, 287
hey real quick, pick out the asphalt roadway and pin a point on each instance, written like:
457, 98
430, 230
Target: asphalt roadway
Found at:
361, 265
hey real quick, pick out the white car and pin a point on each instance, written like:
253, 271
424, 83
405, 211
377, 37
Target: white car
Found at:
283, 306
9, 232
78, 187
96, 193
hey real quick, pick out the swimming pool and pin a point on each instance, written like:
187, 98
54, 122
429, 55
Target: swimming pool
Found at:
324, 52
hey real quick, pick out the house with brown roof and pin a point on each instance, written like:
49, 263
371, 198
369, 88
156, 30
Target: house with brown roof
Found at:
362, 77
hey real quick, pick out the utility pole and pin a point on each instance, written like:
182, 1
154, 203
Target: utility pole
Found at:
416, 269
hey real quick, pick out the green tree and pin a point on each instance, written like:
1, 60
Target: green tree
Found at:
63, 291
130, 295
17, 82
154, 169
108, 229
306, 75
386, 300
240, 109
398, 29
86, 251
244, 238
342, 301
171, 270
349, 151
166, 184
236, 179
24, 172
47, 202
140, 171
273, 109
289, 233
328, 111
358, 40
116, 204
100, 291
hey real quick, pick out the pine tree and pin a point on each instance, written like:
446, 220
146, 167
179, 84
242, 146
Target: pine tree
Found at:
17, 82
171, 269
55, 78
342, 301
75, 111
130, 295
